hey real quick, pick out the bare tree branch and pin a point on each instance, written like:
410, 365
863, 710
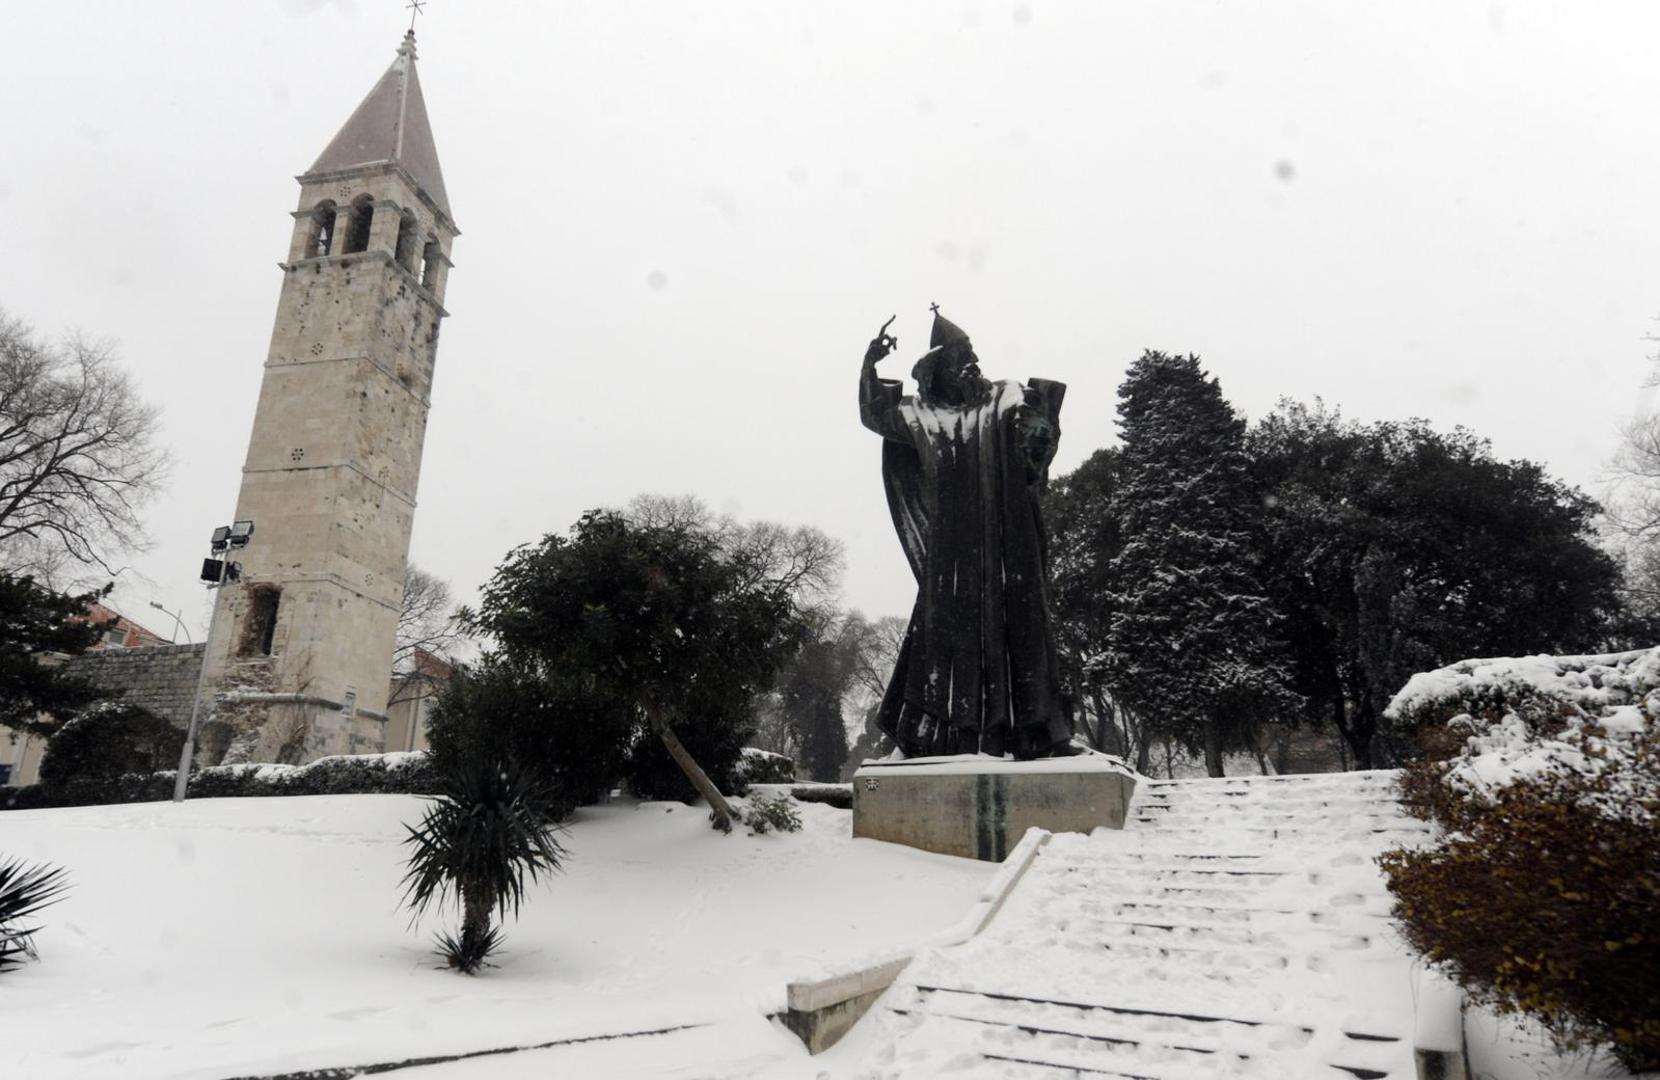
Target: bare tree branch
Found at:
427, 621
78, 459
803, 560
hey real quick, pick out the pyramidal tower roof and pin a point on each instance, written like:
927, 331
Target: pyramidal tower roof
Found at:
391, 126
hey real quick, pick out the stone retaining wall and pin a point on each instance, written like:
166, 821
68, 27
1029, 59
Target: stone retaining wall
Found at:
159, 678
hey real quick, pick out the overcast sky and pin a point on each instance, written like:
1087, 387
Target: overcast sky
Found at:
682, 222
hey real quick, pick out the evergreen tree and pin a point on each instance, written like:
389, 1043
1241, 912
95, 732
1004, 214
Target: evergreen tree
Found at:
816, 683
36, 622
1396, 549
1084, 540
575, 739
1192, 643
660, 623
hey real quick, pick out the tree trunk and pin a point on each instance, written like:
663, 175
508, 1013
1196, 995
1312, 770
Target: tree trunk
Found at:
1213, 750
476, 904
1358, 731
475, 912
700, 780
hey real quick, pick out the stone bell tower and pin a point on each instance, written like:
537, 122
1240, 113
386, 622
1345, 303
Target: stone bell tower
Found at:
300, 657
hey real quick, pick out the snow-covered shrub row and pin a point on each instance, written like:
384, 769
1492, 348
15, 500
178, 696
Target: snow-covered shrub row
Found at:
344, 774
758, 766
1543, 894
1484, 724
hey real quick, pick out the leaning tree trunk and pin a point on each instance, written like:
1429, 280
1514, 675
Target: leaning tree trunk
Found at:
700, 780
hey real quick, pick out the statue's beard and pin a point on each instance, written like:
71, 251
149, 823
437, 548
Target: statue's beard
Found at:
961, 390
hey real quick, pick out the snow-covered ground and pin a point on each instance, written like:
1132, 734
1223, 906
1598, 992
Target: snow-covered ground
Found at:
1234, 928
239, 937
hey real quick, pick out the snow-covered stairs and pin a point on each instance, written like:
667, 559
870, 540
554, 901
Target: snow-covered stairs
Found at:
1235, 927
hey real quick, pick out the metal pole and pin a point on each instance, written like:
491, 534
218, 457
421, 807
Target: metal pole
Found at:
178, 622
186, 754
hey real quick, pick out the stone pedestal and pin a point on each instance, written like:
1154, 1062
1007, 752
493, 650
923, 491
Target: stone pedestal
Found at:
980, 807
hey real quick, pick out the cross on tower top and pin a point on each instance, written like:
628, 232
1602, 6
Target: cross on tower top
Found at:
416, 7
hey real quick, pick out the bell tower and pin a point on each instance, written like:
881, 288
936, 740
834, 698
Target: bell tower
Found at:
300, 657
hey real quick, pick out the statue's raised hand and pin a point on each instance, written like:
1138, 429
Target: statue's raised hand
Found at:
883, 343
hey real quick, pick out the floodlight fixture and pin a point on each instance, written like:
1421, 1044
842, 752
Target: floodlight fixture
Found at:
213, 571
221, 537
240, 532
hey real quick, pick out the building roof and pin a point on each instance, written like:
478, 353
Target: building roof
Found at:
131, 634
391, 126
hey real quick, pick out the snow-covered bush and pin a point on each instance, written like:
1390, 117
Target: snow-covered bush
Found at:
346, 774
1543, 895
110, 739
767, 813
402, 773
1483, 724
758, 766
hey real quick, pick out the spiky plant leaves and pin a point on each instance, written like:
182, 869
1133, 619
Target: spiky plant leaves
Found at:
24, 890
467, 953
490, 826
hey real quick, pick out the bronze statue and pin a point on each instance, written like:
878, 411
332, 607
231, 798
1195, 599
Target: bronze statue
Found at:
965, 463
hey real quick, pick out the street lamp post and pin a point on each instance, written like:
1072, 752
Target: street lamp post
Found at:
216, 573
178, 622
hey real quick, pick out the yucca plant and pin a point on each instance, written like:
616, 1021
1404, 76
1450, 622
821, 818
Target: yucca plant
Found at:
489, 827
24, 890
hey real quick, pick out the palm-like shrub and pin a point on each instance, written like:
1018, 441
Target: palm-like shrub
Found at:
24, 890
490, 826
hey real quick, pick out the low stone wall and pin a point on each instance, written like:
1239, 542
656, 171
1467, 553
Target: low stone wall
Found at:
823, 1008
157, 678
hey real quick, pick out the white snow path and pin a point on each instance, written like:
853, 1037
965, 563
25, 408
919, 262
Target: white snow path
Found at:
228, 937
1235, 927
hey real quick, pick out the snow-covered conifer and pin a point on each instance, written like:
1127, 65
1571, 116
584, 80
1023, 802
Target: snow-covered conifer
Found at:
1192, 640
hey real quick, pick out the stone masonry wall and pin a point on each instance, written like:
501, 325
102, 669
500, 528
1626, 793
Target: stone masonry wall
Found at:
160, 678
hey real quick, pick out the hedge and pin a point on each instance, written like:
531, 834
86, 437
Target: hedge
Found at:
1542, 896
345, 774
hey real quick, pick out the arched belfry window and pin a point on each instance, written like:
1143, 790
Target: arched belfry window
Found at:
322, 230
408, 238
357, 231
432, 256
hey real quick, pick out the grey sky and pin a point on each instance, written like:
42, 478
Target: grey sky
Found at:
682, 223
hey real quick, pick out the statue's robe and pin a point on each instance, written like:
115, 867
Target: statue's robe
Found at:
977, 672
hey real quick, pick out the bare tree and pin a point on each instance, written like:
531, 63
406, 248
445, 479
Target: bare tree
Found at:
1633, 504
803, 559
427, 626
78, 459
881, 641
427, 621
